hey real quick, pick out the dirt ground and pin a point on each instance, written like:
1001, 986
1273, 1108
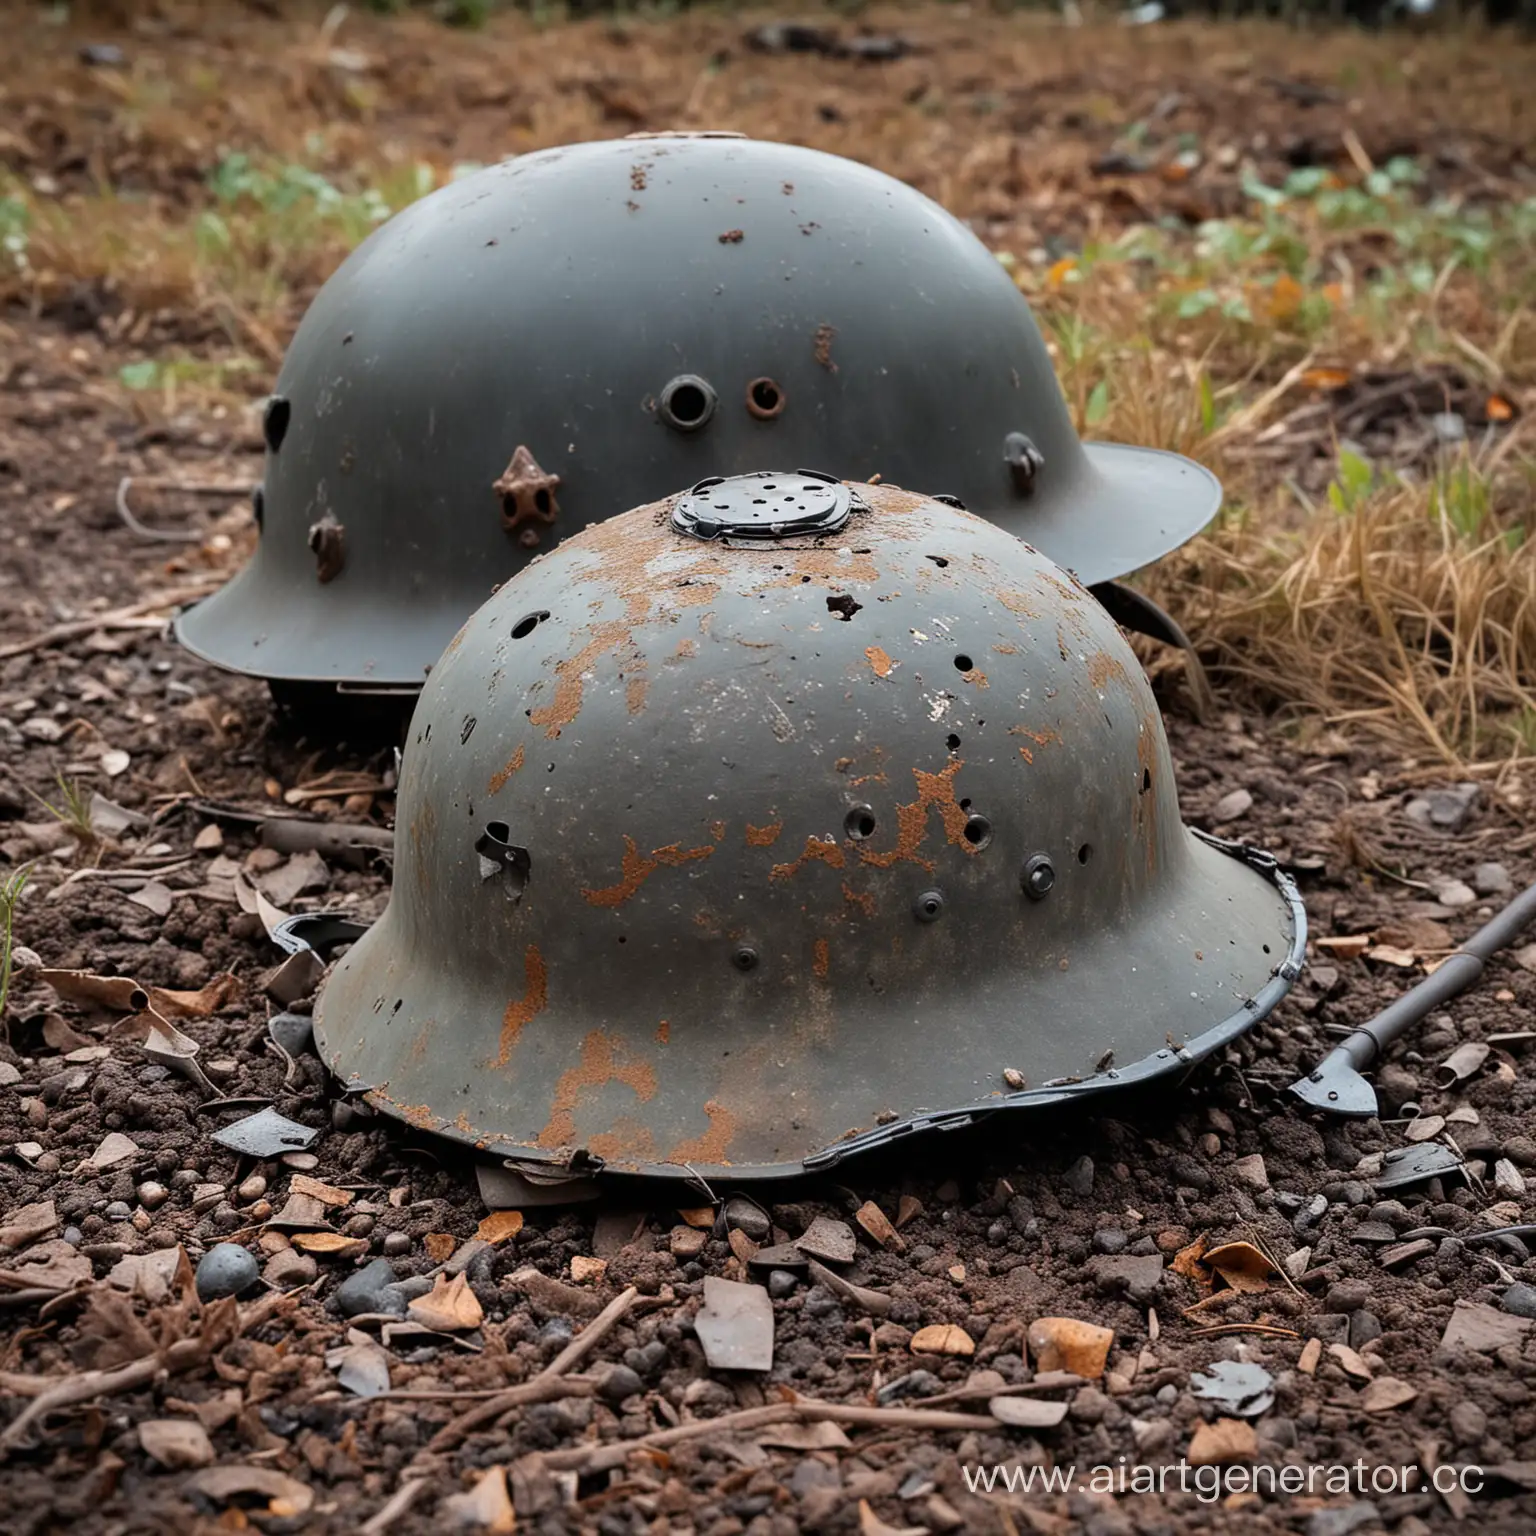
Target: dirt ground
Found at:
1018, 1221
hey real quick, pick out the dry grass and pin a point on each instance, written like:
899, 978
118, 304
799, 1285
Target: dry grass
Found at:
198, 197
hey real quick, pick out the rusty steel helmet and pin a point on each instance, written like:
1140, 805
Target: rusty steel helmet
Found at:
774, 820
546, 342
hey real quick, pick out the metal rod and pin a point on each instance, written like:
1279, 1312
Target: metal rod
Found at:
1336, 1085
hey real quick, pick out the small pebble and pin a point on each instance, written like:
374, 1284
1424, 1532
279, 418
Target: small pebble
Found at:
360, 1225
290, 1268
152, 1196
1492, 880
781, 1283
225, 1270
748, 1217
1232, 805
73, 1236
396, 1245
252, 1188
1520, 1300
619, 1383
1110, 1240
1079, 1177
359, 1293
118, 1210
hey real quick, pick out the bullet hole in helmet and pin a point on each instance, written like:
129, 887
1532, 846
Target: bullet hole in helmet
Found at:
963, 663
744, 958
938, 560
259, 507
467, 729
500, 857
929, 907
977, 831
274, 422
1146, 780
842, 606
687, 402
526, 625
1084, 853
859, 823
765, 399
952, 742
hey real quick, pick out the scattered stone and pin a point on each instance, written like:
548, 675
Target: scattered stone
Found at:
289, 1268
1363, 1327
828, 1240
115, 1148
874, 1222
1235, 803
747, 1216
913, 1384
584, 1269
687, 1242
1519, 1300
942, 1339
781, 1283
485, 1507
1079, 1177
1065, 1344
1027, 1412
396, 1245
1137, 1276
1342, 1519
1347, 1296
1455, 894
1110, 1240
1507, 1179
252, 1188
1251, 1171
779, 1256
735, 1325
1447, 809
1227, 1440
1492, 880
1468, 1422
361, 1369
1477, 1326
1386, 1393
225, 1270
360, 1293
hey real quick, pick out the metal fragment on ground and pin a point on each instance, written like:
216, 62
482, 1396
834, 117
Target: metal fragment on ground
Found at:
267, 1134
735, 1326
507, 1189
1416, 1164
1236, 1386
830, 1241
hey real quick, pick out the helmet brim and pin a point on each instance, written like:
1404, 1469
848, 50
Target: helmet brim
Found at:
1141, 1002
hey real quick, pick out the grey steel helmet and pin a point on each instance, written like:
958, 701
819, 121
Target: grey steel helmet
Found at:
777, 819
546, 342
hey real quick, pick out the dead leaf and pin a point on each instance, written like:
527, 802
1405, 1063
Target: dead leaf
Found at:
154, 896
1227, 1440
285, 1495
1241, 1265
1385, 1393
878, 1225
303, 872
153, 1276
1186, 1261
58, 1034
1351, 1362
55, 1265
1498, 408
176, 1443
584, 1269
1387, 954
439, 1246
120, 994
870, 1524
1311, 1353
741, 1245
450, 1306
331, 1243
942, 1339
1325, 380
1065, 1344
485, 1507
1475, 1325
326, 1194
114, 762
111, 1333
362, 1369
1424, 1128
818, 1435
252, 900
29, 1224
202, 1004
907, 1208
499, 1226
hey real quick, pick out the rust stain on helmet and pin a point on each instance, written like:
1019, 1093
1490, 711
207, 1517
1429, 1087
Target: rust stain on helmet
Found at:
764, 837
712, 1146
636, 868
527, 496
863, 900
935, 791
602, 1062
879, 660
499, 779
1104, 668
816, 851
821, 961
523, 1010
